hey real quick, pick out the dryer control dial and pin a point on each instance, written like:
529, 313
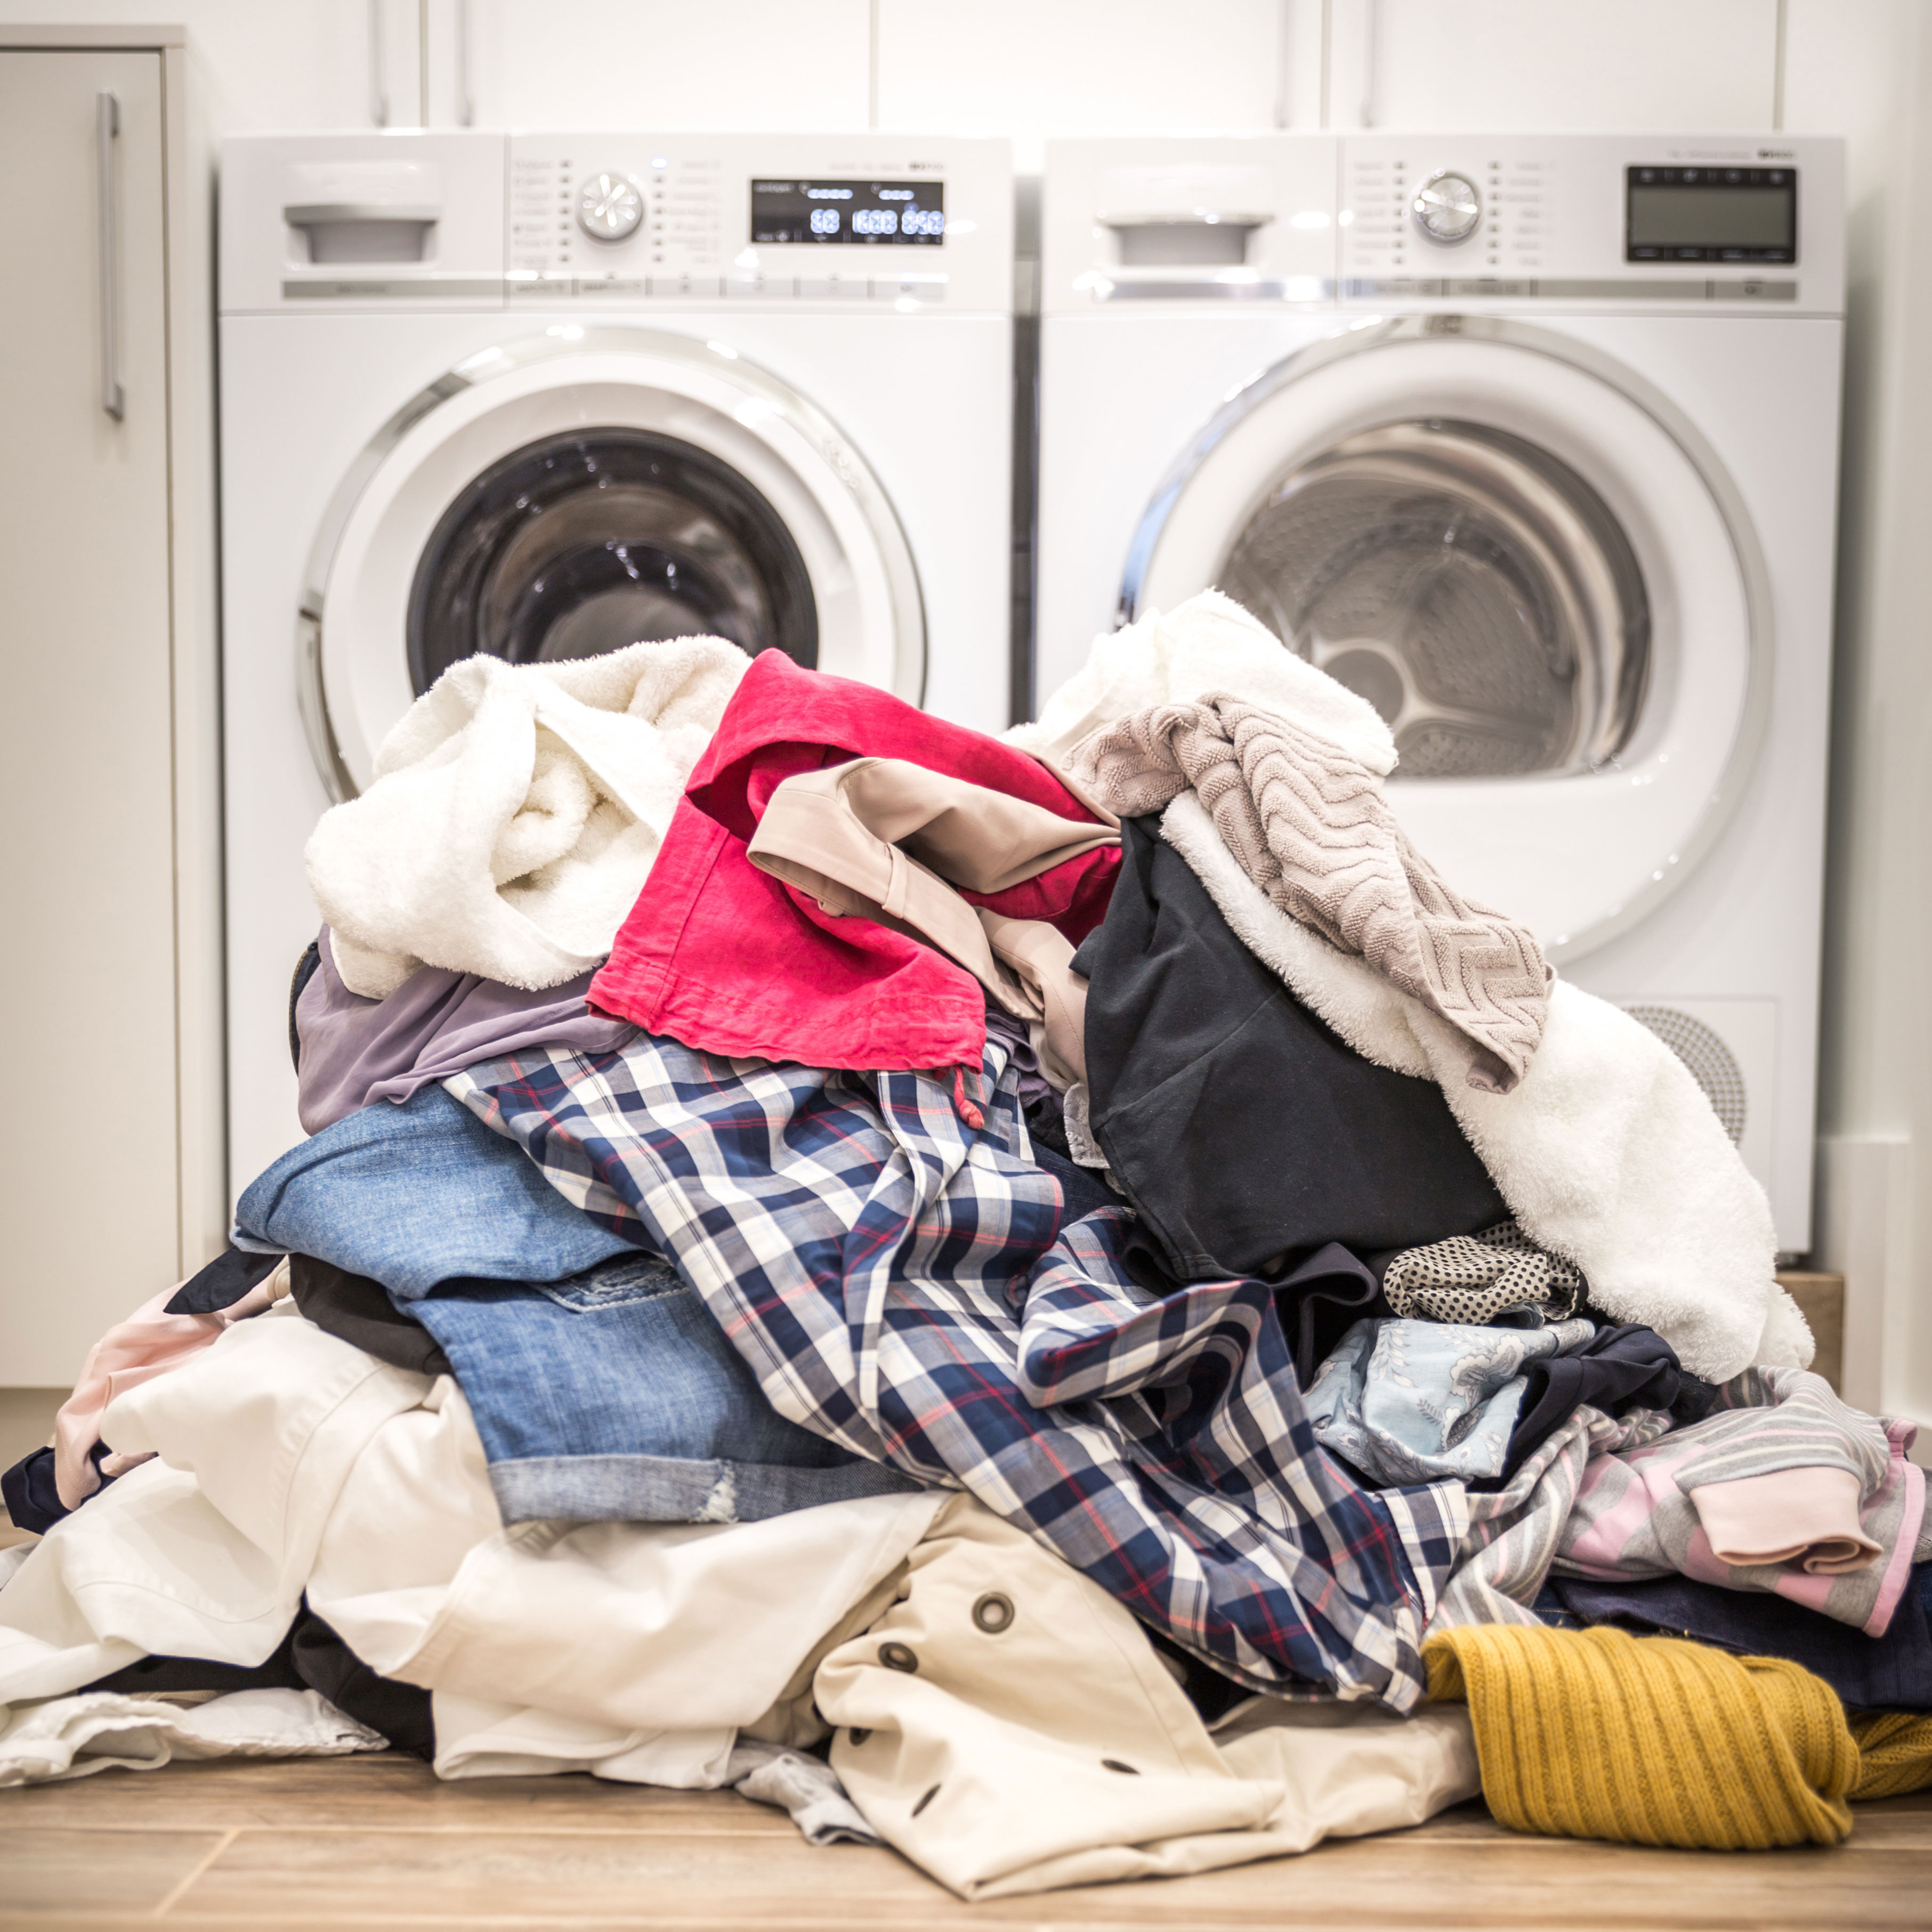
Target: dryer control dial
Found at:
1448, 207
609, 207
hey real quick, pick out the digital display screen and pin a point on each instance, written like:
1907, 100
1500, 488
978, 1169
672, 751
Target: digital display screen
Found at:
1712, 215
868, 212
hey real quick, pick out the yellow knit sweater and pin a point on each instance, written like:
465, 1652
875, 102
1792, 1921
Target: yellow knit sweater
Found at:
1657, 1740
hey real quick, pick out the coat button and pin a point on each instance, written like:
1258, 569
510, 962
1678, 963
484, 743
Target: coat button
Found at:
898, 1656
994, 1613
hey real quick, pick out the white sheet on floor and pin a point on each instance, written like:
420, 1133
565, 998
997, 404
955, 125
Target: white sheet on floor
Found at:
73, 1737
1607, 1151
288, 1460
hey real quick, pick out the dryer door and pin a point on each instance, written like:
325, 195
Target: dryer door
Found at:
583, 490
1530, 563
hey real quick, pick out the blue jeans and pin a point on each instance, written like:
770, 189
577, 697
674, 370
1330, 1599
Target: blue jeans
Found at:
616, 1395
414, 1195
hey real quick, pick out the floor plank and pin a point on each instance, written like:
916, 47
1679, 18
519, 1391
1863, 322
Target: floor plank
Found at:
383, 1791
58, 1870
323, 1845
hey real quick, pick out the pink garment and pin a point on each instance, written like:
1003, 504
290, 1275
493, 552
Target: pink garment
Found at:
1637, 1513
730, 960
1808, 1518
150, 1343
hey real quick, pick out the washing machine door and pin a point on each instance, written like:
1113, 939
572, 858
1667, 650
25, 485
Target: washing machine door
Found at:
582, 489
1532, 566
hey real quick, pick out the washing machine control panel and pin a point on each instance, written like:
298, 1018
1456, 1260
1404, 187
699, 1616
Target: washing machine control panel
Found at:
623, 216
402, 219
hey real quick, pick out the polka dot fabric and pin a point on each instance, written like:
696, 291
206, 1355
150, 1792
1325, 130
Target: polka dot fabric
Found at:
1475, 1278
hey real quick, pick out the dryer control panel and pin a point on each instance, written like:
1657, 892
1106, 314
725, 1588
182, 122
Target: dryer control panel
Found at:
1732, 221
1735, 220
409, 219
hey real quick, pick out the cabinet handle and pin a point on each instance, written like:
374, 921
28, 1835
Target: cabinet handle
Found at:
106, 131
378, 94
466, 101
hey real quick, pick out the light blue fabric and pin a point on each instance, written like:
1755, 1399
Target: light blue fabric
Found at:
1413, 1402
414, 1195
616, 1396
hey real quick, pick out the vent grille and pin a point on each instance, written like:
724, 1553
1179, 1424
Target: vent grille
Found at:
1712, 1064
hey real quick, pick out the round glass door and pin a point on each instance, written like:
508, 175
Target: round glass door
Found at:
1530, 562
1473, 588
588, 540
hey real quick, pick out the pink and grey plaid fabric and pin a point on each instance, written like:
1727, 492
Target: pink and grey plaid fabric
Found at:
898, 1280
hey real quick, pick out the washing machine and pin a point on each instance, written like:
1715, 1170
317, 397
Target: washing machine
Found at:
544, 395
1532, 441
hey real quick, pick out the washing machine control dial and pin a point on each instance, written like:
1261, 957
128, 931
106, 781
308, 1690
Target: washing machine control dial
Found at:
1448, 207
609, 207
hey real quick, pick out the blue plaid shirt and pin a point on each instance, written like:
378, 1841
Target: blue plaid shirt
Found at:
898, 1281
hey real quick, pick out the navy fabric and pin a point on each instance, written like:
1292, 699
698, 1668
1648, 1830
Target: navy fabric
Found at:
222, 1283
420, 1193
1246, 1132
1892, 1673
358, 1311
1618, 1368
33, 1500
616, 1396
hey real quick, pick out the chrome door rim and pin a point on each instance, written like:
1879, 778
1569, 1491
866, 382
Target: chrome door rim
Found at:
718, 362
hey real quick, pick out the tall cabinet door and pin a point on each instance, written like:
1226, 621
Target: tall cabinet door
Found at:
88, 1136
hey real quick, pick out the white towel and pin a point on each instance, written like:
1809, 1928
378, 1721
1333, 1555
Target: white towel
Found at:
1209, 643
516, 813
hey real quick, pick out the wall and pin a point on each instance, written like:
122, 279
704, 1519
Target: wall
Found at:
1030, 68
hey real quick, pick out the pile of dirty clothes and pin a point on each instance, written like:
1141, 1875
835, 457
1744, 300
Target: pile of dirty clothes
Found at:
1067, 1303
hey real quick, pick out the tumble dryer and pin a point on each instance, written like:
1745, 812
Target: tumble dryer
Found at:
1532, 441
544, 395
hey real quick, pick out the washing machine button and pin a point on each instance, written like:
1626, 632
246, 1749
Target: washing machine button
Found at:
1448, 207
609, 207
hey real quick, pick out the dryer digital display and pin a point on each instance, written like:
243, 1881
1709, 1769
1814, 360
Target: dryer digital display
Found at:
1711, 214
864, 211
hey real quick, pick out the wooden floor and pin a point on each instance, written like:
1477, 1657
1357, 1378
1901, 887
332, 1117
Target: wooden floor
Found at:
378, 1842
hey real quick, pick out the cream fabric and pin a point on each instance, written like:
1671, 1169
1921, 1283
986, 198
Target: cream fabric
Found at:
287, 1460
1009, 1727
516, 812
883, 839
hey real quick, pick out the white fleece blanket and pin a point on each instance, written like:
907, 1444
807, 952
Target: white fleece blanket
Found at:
1607, 1151
516, 813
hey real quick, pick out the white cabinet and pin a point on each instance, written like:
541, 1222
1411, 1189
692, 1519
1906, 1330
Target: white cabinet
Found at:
111, 1143
1499, 65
